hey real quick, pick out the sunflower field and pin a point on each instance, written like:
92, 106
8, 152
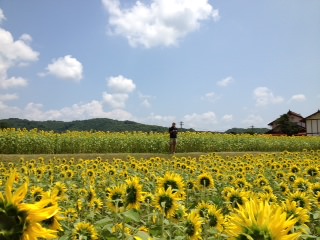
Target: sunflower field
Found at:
244, 196
22, 141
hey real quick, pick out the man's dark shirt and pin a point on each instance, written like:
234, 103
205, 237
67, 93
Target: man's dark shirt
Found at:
173, 132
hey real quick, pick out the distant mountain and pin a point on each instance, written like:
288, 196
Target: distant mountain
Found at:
96, 124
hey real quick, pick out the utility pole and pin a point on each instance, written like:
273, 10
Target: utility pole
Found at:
181, 124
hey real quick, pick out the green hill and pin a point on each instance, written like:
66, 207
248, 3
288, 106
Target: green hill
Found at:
96, 124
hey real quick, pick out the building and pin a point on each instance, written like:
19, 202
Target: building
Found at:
313, 124
296, 119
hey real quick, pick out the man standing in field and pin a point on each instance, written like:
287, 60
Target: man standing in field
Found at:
173, 130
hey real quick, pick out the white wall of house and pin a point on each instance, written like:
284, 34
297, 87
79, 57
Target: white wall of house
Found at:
313, 124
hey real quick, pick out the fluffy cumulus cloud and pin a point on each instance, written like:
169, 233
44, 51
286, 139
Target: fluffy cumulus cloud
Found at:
264, 96
162, 22
298, 98
202, 121
120, 88
66, 67
225, 82
14, 53
121, 84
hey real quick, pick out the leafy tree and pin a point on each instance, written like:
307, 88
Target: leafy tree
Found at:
286, 126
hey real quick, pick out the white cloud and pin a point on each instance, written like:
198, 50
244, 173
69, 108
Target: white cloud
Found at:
115, 100
66, 67
8, 97
211, 97
121, 84
253, 120
202, 121
34, 111
227, 118
14, 53
265, 96
298, 98
225, 82
2, 16
145, 100
159, 120
120, 87
163, 22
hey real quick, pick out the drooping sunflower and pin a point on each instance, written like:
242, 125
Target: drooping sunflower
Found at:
260, 220
175, 181
71, 215
205, 181
84, 230
193, 227
166, 201
133, 193
21, 220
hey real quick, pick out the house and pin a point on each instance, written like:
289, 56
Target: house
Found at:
296, 119
313, 124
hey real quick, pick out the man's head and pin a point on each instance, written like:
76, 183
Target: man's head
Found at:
173, 124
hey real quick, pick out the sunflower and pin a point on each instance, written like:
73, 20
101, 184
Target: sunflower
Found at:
193, 226
21, 220
236, 198
133, 197
96, 204
284, 189
315, 188
312, 171
173, 180
301, 199
215, 218
116, 198
301, 185
205, 180
259, 220
71, 215
166, 201
317, 200
37, 193
202, 209
84, 230
59, 190
298, 213
53, 221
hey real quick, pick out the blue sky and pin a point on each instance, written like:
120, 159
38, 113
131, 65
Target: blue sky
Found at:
212, 65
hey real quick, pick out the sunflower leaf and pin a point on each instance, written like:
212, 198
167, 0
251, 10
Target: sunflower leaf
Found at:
133, 215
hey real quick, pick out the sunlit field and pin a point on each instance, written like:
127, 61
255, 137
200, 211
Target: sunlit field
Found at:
261, 195
14, 141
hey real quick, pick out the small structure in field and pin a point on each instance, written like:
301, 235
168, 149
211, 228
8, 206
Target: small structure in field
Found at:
313, 124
